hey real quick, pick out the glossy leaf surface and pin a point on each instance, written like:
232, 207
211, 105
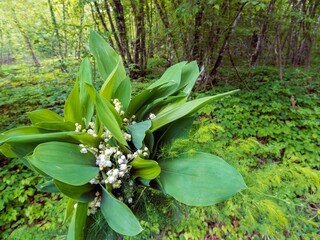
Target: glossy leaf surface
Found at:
200, 179
64, 162
118, 215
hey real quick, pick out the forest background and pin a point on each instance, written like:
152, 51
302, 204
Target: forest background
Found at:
268, 48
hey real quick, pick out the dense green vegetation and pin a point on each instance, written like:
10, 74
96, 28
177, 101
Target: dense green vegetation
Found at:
269, 131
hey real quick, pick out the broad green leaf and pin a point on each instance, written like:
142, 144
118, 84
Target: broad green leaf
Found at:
189, 76
85, 77
58, 126
69, 210
72, 106
78, 222
48, 186
107, 59
107, 88
178, 129
44, 115
110, 118
20, 131
144, 98
183, 110
65, 162
200, 179
83, 193
144, 168
118, 215
161, 103
24, 144
138, 132
45, 137
172, 74
123, 93
6, 150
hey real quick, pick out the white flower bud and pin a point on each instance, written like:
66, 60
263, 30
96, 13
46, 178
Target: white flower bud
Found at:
83, 150
123, 167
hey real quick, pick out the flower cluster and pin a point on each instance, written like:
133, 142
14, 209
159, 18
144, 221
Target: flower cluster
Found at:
90, 130
113, 163
95, 204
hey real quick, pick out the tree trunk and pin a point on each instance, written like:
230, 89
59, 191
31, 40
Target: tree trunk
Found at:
197, 43
279, 51
139, 58
258, 49
218, 62
165, 21
26, 38
114, 33
96, 5
121, 25
80, 33
56, 29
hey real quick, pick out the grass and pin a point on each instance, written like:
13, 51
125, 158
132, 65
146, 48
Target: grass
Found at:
269, 131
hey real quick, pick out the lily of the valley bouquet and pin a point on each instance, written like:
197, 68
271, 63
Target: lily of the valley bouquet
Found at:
108, 141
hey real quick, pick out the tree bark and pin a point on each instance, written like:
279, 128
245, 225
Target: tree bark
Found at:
197, 43
218, 62
258, 49
114, 33
121, 25
56, 29
26, 38
165, 21
96, 5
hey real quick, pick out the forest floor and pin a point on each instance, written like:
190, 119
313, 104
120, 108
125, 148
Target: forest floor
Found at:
269, 131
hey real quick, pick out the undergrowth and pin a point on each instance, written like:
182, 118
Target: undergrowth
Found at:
269, 131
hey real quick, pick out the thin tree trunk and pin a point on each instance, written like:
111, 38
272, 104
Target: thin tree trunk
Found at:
258, 49
197, 46
26, 38
139, 43
56, 29
96, 5
121, 25
279, 51
165, 21
114, 32
96, 24
218, 62
80, 33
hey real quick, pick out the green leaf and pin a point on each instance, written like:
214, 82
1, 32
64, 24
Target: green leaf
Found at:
85, 77
183, 110
6, 150
78, 222
57, 126
44, 115
138, 132
178, 129
65, 162
29, 130
83, 193
48, 186
107, 88
189, 76
69, 210
144, 168
123, 93
72, 106
118, 215
172, 74
110, 118
107, 59
143, 99
200, 179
